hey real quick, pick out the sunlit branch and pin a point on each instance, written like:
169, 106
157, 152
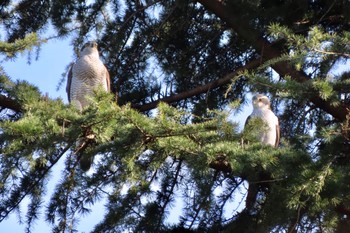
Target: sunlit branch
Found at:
198, 90
270, 51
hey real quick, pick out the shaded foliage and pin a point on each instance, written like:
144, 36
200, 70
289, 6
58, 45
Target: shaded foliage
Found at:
198, 56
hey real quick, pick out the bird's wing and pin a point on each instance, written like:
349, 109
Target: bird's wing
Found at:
69, 80
247, 120
108, 80
278, 135
245, 128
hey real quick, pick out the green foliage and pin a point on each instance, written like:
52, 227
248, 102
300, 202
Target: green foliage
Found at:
181, 52
20, 45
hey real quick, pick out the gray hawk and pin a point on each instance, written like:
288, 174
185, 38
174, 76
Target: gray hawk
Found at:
262, 109
269, 135
86, 75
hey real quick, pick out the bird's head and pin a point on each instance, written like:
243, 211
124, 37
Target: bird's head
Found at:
89, 47
261, 101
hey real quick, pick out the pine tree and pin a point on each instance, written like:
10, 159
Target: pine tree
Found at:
176, 67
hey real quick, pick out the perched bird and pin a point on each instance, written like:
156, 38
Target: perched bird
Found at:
269, 134
86, 75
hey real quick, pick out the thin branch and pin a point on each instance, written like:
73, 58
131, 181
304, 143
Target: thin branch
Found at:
6, 102
332, 53
271, 51
171, 192
7, 209
228, 197
198, 90
293, 227
328, 10
268, 181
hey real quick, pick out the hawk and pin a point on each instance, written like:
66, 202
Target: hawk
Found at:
261, 109
269, 135
86, 75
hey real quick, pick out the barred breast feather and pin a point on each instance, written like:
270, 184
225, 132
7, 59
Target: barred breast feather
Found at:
86, 74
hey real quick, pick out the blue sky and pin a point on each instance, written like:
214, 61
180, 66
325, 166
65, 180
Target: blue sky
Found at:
46, 71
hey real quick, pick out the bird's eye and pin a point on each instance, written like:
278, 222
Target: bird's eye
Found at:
259, 99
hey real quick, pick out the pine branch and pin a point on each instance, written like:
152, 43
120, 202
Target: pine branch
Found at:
170, 193
20, 45
270, 51
331, 53
28, 182
229, 195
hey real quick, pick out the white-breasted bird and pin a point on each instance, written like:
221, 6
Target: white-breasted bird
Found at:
87, 74
269, 135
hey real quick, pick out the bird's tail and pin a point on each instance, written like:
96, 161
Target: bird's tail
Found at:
85, 162
85, 159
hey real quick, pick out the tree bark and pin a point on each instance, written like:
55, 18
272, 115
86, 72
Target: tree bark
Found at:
6, 102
